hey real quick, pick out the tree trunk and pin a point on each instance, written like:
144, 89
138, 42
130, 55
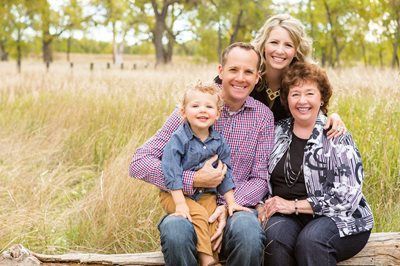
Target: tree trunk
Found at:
323, 56
164, 51
3, 52
69, 40
237, 27
19, 50
219, 47
158, 33
114, 44
334, 37
310, 12
46, 46
395, 58
381, 56
364, 54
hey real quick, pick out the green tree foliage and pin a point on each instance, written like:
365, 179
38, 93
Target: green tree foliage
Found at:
344, 32
222, 22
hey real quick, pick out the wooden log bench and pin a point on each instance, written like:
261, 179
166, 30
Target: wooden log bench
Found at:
382, 249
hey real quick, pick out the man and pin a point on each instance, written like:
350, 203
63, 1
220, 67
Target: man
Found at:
247, 126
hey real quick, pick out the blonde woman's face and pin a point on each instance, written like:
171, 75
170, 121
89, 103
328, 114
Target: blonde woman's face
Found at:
279, 49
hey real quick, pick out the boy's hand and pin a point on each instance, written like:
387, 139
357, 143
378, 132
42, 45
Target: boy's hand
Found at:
182, 210
236, 207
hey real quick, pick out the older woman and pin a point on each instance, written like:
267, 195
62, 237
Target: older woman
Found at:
282, 41
317, 214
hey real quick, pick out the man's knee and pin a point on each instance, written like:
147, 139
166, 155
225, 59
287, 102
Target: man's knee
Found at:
178, 241
244, 229
176, 232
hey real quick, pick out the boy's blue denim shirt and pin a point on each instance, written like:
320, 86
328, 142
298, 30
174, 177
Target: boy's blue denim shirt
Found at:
185, 151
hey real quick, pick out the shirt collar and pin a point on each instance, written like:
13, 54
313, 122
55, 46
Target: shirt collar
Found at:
189, 132
249, 103
316, 134
318, 131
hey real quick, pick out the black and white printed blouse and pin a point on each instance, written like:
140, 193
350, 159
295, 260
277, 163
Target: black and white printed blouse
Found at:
333, 175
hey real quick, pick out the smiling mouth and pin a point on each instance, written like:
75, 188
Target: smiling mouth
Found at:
303, 110
202, 118
278, 59
239, 87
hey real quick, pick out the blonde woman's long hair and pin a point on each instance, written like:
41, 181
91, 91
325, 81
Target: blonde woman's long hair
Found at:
296, 30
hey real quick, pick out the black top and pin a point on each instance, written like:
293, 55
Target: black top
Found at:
260, 94
278, 183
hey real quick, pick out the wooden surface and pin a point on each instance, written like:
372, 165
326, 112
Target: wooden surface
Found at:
382, 249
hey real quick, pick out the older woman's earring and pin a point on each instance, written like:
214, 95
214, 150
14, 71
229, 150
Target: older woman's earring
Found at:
322, 103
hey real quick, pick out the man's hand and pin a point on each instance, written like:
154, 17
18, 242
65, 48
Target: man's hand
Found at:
336, 125
261, 212
219, 215
208, 176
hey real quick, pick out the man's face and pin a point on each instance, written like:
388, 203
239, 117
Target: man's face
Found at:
239, 75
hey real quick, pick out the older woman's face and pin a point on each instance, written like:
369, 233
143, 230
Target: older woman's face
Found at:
279, 49
304, 101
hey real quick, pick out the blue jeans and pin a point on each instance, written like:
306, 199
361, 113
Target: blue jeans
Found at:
243, 240
304, 240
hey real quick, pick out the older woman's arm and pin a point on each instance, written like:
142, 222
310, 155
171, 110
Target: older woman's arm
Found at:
343, 183
277, 204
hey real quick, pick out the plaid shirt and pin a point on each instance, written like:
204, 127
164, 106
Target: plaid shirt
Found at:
250, 136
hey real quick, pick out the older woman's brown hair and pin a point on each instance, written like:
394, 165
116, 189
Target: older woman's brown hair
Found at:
301, 72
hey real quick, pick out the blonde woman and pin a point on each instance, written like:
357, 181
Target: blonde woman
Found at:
282, 41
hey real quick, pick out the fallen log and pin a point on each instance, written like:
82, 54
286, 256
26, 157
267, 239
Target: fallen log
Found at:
382, 249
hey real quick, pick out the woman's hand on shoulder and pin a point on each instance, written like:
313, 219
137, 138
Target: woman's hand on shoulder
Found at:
336, 125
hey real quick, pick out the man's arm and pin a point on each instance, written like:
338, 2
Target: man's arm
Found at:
250, 192
146, 162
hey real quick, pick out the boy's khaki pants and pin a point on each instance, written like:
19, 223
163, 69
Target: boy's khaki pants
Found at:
200, 211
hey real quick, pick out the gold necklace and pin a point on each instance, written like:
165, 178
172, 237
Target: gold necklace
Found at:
272, 94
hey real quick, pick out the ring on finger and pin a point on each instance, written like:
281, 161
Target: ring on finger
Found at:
339, 128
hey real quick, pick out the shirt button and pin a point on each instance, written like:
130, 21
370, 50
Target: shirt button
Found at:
204, 147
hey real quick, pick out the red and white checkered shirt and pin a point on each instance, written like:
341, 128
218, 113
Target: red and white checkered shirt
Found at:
250, 136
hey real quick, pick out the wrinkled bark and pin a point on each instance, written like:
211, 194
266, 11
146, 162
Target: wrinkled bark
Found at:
47, 50
237, 27
162, 39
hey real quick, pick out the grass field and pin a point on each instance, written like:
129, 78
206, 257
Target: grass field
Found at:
67, 137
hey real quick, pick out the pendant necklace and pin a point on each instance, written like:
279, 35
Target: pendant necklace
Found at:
272, 94
291, 176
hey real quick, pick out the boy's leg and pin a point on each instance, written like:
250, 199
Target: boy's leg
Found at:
199, 219
209, 202
178, 238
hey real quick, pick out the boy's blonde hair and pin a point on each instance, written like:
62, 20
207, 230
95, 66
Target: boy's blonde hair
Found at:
209, 88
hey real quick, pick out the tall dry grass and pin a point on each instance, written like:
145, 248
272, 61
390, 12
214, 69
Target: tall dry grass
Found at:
67, 137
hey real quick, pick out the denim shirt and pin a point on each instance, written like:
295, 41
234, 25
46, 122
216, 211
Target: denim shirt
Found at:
333, 176
185, 151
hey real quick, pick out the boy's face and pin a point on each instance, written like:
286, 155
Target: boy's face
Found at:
201, 110
239, 75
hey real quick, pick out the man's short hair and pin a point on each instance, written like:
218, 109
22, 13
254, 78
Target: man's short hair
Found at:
242, 45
